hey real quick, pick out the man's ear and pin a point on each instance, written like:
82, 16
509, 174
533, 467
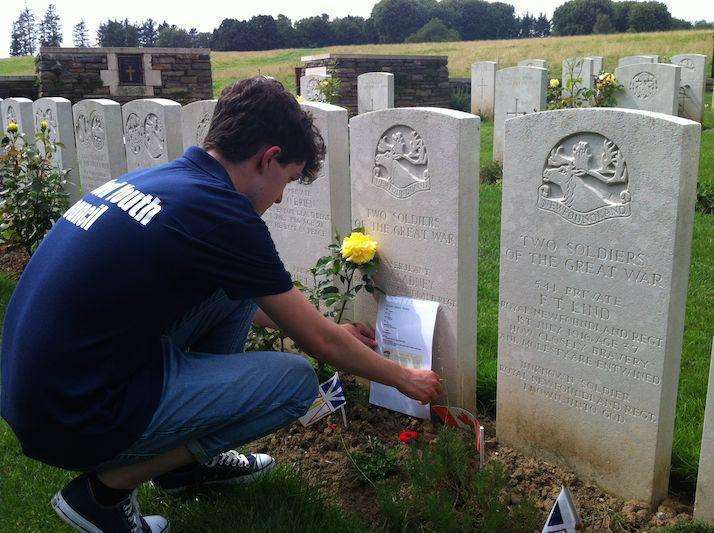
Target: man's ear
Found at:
270, 153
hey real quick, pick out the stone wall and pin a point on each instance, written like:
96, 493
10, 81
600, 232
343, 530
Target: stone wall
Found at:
181, 74
418, 80
19, 86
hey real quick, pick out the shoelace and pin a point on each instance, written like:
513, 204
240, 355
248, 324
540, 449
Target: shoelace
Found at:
133, 514
230, 458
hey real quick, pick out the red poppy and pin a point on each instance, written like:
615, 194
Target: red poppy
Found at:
331, 426
408, 435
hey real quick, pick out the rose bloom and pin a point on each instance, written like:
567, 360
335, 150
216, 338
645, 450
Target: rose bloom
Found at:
554, 82
358, 248
12, 127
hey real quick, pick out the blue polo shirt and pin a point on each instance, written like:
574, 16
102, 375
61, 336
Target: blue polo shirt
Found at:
82, 353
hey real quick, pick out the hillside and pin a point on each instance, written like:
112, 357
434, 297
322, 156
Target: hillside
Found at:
229, 66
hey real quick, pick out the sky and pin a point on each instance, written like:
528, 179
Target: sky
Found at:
205, 17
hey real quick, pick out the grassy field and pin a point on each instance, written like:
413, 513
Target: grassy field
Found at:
229, 66
25, 486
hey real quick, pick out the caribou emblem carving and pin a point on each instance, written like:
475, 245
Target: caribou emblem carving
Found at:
585, 180
400, 163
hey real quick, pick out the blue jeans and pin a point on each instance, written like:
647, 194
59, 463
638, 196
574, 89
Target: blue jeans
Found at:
215, 395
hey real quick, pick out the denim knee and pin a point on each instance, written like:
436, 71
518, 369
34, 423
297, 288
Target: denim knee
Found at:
304, 376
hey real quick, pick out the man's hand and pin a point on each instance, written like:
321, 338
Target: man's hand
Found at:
422, 385
363, 333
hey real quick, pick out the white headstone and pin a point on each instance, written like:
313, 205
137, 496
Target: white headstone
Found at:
597, 63
309, 87
57, 112
414, 175
540, 63
375, 91
704, 503
580, 70
691, 85
483, 88
100, 146
519, 91
635, 60
19, 111
596, 229
195, 121
305, 222
152, 132
649, 87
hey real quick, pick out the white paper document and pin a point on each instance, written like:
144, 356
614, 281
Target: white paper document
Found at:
404, 334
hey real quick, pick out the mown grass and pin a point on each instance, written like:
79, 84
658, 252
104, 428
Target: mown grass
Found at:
17, 66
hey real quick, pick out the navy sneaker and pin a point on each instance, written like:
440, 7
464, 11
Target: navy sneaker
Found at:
75, 504
228, 467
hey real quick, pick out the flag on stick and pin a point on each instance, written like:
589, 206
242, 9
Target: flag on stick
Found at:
463, 419
563, 518
330, 398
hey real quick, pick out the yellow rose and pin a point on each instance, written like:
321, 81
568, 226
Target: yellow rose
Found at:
43, 125
12, 127
300, 99
554, 82
358, 248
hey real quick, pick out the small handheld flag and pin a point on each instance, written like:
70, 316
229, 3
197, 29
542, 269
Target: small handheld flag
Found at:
330, 398
563, 518
463, 419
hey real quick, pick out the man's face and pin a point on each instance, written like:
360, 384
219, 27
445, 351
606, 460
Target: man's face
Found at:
274, 178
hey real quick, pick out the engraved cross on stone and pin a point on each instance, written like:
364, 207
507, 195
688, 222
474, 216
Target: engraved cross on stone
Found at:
130, 71
482, 85
515, 112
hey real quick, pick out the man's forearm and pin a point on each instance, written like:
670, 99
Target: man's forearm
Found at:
263, 320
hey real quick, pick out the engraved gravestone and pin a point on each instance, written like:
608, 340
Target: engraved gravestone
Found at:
483, 88
152, 132
579, 69
310, 87
597, 63
304, 223
649, 87
704, 503
19, 111
540, 63
639, 59
414, 174
375, 91
195, 121
597, 215
98, 137
519, 91
57, 113
691, 85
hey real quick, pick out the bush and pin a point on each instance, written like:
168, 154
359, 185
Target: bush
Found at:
460, 100
448, 492
433, 31
491, 172
33, 195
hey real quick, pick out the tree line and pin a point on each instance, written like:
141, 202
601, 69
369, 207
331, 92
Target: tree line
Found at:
391, 21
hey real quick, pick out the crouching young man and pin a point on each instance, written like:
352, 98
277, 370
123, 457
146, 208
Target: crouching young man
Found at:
122, 352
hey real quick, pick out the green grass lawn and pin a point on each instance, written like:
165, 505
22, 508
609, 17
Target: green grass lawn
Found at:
285, 502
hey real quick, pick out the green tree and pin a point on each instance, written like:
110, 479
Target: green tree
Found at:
603, 24
395, 20
681, 24
542, 26
263, 32
350, 30
80, 36
286, 32
23, 38
314, 32
171, 36
117, 33
50, 29
147, 33
433, 31
650, 16
578, 17
621, 15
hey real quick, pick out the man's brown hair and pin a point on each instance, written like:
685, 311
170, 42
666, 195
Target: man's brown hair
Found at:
259, 111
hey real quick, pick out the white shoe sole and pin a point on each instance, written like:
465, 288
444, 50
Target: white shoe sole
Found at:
248, 478
75, 520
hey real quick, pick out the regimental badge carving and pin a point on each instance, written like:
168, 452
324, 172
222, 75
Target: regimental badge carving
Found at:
154, 136
313, 90
400, 163
96, 131
585, 180
48, 116
11, 116
80, 130
643, 85
134, 133
687, 63
204, 123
